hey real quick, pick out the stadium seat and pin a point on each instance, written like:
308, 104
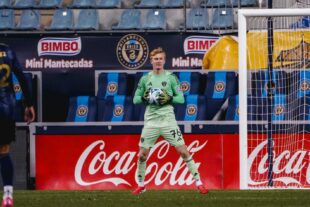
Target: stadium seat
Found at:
198, 19
29, 20
115, 109
82, 109
7, 19
155, 19
130, 19
215, 3
301, 23
223, 18
50, 4
88, 19
244, 3
174, 4
20, 107
82, 4
5, 4
148, 4
193, 109
24, 4
62, 20
259, 82
111, 84
190, 82
108, 4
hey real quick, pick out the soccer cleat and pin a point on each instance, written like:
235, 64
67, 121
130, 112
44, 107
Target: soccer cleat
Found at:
7, 202
202, 189
138, 190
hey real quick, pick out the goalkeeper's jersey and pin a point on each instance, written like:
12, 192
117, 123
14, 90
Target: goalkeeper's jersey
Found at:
156, 115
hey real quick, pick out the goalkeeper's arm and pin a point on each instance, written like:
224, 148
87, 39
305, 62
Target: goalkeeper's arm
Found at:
141, 94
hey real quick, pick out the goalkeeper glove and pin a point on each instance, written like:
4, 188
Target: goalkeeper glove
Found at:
146, 96
164, 98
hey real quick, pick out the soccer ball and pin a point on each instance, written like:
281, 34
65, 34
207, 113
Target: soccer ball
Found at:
154, 94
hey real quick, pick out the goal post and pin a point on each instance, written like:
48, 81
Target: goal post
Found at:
289, 155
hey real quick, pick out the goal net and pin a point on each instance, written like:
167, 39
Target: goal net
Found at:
274, 98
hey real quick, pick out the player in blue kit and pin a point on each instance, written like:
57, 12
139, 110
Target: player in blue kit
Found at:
9, 65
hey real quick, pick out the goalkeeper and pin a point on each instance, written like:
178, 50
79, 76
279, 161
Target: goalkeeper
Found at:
159, 119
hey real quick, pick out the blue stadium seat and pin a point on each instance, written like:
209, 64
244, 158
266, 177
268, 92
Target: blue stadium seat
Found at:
219, 86
82, 109
174, 4
130, 19
50, 4
24, 4
111, 84
193, 109
88, 19
197, 19
7, 19
215, 3
5, 4
115, 109
259, 82
223, 18
245, 3
108, 4
79, 4
62, 20
149, 4
299, 82
190, 82
29, 20
19, 96
155, 19
301, 23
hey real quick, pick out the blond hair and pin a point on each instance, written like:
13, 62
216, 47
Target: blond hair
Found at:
157, 51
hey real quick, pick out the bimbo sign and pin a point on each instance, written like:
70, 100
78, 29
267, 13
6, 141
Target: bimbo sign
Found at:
59, 46
198, 44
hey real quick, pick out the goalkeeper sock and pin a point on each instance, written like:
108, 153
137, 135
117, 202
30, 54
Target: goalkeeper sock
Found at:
191, 165
141, 172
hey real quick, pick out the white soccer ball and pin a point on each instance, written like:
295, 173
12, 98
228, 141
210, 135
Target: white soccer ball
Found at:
154, 94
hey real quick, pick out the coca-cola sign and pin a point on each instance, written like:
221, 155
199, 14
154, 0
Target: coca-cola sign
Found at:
110, 162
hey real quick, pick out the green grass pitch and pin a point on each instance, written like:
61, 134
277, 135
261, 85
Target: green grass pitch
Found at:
163, 198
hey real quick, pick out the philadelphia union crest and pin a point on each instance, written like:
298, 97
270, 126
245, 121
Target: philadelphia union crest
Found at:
132, 51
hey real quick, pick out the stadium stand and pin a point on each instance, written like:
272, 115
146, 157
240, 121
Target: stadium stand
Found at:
108, 4
62, 20
50, 4
215, 3
148, 4
7, 19
20, 107
82, 4
115, 109
190, 82
193, 109
82, 109
222, 18
112, 84
24, 4
29, 20
130, 19
87, 20
245, 3
198, 19
173, 4
155, 19
5, 4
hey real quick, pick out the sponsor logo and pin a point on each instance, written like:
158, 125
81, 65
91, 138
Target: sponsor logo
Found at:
132, 51
59, 46
198, 44
82, 110
114, 166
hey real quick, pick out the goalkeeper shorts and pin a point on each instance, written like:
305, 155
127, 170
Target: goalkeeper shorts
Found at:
172, 134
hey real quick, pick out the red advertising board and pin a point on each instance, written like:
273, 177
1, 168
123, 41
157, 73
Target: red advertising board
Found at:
109, 162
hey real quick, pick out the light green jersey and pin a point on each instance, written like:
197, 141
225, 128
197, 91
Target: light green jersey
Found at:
156, 115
